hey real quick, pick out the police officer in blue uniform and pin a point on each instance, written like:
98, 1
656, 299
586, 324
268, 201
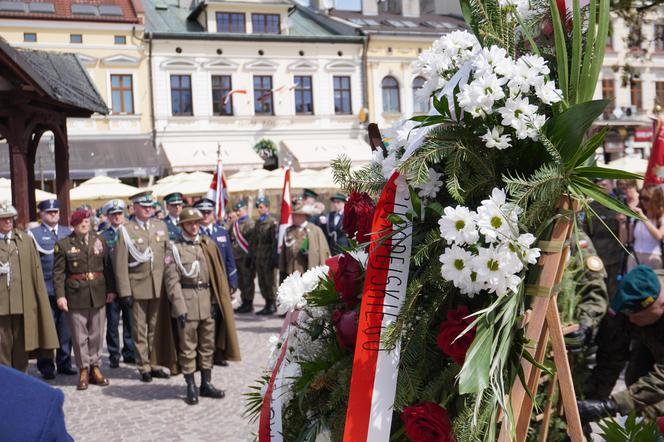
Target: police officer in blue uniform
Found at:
174, 204
115, 211
45, 236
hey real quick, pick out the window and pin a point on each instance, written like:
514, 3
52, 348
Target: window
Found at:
230, 22
342, 94
120, 40
304, 98
122, 94
635, 93
75, 38
419, 104
609, 93
181, 95
29, 37
265, 23
659, 93
659, 37
222, 102
263, 94
390, 94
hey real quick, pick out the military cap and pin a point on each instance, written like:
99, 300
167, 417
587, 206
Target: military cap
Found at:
205, 204
173, 198
638, 289
190, 214
262, 200
7, 210
240, 204
144, 198
50, 205
308, 193
339, 196
114, 206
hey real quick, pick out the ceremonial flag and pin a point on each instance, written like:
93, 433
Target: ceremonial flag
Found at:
233, 92
286, 204
220, 198
655, 172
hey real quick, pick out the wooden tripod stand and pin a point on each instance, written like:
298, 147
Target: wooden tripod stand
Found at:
544, 322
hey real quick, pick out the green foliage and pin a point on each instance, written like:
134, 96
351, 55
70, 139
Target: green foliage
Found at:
632, 430
368, 179
265, 148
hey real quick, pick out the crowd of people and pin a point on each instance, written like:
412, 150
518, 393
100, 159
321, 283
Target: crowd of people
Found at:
166, 277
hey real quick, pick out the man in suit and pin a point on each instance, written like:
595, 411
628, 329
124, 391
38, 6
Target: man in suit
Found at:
174, 204
45, 237
142, 250
332, 225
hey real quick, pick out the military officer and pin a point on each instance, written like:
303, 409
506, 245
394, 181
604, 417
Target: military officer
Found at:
114, 210
45, 237
636, 309
304, 244
197, 288
174, 204
310, 198
242, 237
26, 321
264, 248
140, 255
84, 283
332, 225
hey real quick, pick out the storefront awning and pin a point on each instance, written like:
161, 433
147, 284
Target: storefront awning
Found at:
317, 154
192, 156
122, 158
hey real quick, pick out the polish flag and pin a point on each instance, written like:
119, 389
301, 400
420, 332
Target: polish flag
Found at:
286, 205
220, 198
228, 96
655, 172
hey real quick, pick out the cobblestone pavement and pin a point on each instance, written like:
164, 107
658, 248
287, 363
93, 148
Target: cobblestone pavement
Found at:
129, 410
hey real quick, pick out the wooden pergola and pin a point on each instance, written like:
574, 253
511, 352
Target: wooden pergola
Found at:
38, 91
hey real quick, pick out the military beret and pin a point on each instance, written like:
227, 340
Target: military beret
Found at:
638, 289
262, 200
7, 210
114, 206
144, 198
204, 204
173, 198
190, 214
339, 196
240, 204
50, 205
309, 193
78, 216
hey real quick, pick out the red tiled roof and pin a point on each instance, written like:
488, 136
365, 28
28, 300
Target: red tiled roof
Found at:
130, 11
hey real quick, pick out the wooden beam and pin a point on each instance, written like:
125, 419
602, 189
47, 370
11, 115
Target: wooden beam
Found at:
62, 181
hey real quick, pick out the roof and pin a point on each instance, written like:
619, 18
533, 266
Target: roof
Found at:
122, 11
396, 24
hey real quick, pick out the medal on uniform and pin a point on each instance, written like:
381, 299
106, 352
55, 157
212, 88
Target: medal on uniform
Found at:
98, 247
594, 263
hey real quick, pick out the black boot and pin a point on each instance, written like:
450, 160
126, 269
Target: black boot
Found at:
192, 394
246, 307
207, 389
269, 309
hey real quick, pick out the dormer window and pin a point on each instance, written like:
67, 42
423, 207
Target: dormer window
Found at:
266, 23
232, 22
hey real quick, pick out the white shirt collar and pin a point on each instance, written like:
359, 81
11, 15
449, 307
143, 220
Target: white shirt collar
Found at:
142, 223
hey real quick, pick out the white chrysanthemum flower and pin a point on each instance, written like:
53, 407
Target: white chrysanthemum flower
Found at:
510, 256
548, 92
494, 138
291, 372
491, 269
290, 294
517, 112
313, 277
457, 225
360, 256
535, 63
473, 285
531, 254
273, 342
493, 60
456, 265
498, 220
431, 188
531, 127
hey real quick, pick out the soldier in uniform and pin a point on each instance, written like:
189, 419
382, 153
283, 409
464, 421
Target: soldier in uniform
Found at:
304, 244
26, 322
141, 252
310, 198
242, 237
332, 225
45, 237
197, 288
264, 248
174, 206
114, 309
84, 283
636, 309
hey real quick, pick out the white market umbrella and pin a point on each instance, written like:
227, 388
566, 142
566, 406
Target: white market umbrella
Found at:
102, 187
630, 164
6, 192
194, 183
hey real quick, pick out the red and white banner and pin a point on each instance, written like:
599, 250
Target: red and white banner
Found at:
375, 368
655, 171
286, 206
220, 198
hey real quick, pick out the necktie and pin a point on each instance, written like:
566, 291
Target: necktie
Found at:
55, 233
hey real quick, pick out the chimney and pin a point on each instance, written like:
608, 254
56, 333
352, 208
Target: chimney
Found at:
410, 8
370, 7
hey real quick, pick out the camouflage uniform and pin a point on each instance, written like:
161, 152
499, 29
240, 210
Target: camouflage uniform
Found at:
264, 249
244, 260
609, 248
590, 284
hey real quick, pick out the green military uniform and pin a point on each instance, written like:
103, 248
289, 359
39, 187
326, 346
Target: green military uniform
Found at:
264, 249
242, 238
608, 246
304, 247
590, 284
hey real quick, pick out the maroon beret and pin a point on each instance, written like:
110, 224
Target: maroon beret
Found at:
78, 216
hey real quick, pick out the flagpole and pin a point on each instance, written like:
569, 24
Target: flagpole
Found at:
220, 196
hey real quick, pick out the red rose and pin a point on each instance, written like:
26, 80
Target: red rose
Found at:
358, 216
345, 324
333, 264
449, 331
347, 279
427, 422
660, 424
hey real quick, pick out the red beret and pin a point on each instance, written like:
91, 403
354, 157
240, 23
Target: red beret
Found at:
78, 216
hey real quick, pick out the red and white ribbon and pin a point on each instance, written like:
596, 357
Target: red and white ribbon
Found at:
241, 240
375, 368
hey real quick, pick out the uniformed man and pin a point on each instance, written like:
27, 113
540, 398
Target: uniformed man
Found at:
26, 321
115, 309
174, 204
242, 237
141, 252
332, 225
304, 244
45, 237
636, 309
84, 283
264, 248
310, 198
197, 287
